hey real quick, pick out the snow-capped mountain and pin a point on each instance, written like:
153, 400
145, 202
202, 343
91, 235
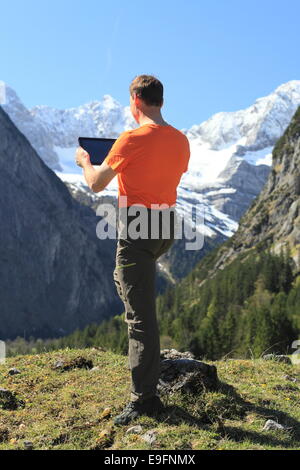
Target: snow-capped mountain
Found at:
103, 118
29, 126
106, 118
54, 132
250, 133
256, 127
231, 152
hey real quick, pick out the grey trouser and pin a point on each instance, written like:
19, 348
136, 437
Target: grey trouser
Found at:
134, 277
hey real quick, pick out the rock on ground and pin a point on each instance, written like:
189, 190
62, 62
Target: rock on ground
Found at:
150, 436
9, 400
77, 363
173, 354
180, 372
134, 429
277, 357
14, 371
271, 425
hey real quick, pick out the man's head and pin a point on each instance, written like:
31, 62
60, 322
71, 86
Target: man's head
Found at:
146, 95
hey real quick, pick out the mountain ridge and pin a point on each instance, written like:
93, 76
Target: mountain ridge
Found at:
230, 153
274, 217
55, 274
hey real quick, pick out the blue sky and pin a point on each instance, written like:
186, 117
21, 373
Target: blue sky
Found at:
211, 56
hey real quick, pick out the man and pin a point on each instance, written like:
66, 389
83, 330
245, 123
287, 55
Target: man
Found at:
149, 162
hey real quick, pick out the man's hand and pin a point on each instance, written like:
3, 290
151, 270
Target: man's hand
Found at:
97, 179
82, 158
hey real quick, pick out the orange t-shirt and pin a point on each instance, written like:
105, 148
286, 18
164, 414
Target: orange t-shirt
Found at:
149, 161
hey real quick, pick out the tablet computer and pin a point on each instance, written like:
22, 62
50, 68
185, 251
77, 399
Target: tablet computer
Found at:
97, 148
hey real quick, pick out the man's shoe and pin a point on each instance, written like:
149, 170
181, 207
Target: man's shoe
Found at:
134, 409
129, 413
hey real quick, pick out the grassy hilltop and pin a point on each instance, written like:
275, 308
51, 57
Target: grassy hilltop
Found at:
74, 409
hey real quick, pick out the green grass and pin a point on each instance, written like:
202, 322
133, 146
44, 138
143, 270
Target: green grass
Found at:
68, 410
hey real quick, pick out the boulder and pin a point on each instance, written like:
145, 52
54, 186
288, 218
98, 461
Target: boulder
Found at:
185, 374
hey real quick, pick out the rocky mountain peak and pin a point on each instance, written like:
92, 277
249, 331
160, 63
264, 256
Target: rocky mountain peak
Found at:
56, 275
273, 220
255, 127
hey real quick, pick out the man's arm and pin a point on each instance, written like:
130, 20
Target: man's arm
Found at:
97, 179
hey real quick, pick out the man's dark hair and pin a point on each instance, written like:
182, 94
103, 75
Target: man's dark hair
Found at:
148, 88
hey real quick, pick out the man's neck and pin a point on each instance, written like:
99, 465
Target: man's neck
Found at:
152, 119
